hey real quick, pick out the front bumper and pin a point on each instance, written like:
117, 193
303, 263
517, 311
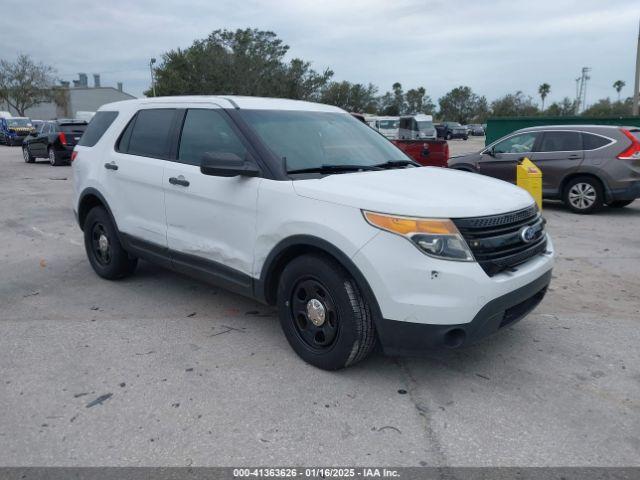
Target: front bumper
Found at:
422, 299
404, 338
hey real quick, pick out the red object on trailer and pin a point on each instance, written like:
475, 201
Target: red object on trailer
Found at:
430, 153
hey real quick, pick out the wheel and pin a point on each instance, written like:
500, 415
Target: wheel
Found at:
620, 203
54, 158
105, 253
465, 138
583, 195
26, 154
448, 137
323, 314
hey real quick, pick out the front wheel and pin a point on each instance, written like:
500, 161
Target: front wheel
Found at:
323, 314
620, 203
583, 195
26, 154
105, 253
448, 137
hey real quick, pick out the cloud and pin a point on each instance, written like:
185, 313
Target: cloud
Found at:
494, 46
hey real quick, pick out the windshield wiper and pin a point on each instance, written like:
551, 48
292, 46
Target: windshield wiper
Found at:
336, 168
396, 163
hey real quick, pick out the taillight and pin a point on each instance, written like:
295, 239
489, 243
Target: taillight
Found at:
74, 154
63, 138
633, 152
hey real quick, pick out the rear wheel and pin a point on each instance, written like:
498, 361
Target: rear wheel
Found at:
323, 314
26, 154
105, 253
620, 203
583, 195
54, 158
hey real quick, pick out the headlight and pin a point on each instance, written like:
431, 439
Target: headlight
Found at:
436, 237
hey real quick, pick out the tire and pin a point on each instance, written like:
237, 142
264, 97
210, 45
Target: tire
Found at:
465, 138
583, 195
324, 316
620, 203
26, 154
54, 158
448, 137
106, 255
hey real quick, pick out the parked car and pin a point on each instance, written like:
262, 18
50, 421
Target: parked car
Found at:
449, 130
585, 166
388, 126
55, 140
475, 129
301, 205
14, 129
416, 127
429, 153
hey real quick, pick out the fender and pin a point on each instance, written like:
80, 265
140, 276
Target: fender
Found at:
264, 287
82, 212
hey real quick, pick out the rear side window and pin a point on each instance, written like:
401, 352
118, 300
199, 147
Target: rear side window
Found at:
148, 134
96, 128
591, 142
560, 142
207, 131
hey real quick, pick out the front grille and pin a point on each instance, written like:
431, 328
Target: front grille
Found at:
496, 241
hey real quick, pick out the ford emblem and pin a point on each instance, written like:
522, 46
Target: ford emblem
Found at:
527, 234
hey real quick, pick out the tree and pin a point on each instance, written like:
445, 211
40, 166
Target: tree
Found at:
417, 101
393, 103
606, 108
241, 62
544, 90
25, 84
563, 108
514, 105
353, 97
461, 105
619, 85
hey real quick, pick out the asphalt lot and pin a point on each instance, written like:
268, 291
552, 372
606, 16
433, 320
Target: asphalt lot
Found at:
160, 369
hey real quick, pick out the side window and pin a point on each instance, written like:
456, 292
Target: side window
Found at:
560, 142
207, 131
97, 126
148, 135
521, 143
591, 142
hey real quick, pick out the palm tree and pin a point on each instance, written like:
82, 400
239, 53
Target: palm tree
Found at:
618, 85
544, 90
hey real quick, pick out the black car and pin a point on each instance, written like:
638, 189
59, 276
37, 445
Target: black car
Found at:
54, 140
449, 130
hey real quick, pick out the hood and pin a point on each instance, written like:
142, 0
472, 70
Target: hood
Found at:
421, 192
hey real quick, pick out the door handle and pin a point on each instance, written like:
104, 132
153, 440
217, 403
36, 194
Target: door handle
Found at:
574, 157
111, 166
180, 180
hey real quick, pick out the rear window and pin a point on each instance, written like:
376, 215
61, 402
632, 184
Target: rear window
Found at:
560, 142
148, 134
591, 142
75, 128
96, 128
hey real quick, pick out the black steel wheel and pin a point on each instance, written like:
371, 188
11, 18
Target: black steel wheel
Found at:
106, 255
323, 313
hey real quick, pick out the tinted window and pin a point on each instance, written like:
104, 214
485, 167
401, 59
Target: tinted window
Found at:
560, 142
96, 128
521, 143
150, 133
591, 142
207, 131
75, 128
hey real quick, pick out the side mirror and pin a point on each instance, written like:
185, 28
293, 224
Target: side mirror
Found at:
223, 164
490, 152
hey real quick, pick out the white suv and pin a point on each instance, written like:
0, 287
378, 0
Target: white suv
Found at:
298, 204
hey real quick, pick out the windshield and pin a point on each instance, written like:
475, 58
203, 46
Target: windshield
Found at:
388, 124
454, 124
18, 122
425, 125
313, 139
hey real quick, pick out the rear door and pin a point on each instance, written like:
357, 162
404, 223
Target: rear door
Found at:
133, 175
211, 221
558, 153
38, 146
500, 160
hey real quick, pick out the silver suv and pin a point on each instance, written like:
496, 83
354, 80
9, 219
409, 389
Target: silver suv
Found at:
585, 166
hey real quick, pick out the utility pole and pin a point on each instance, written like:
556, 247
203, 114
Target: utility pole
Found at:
636, 90
581, 97
153, 77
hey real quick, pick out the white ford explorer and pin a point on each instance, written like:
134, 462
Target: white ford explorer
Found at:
301, 205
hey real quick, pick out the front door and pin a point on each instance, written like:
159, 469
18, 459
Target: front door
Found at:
500, 160
211, 221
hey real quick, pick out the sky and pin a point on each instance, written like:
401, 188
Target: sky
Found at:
493, 46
